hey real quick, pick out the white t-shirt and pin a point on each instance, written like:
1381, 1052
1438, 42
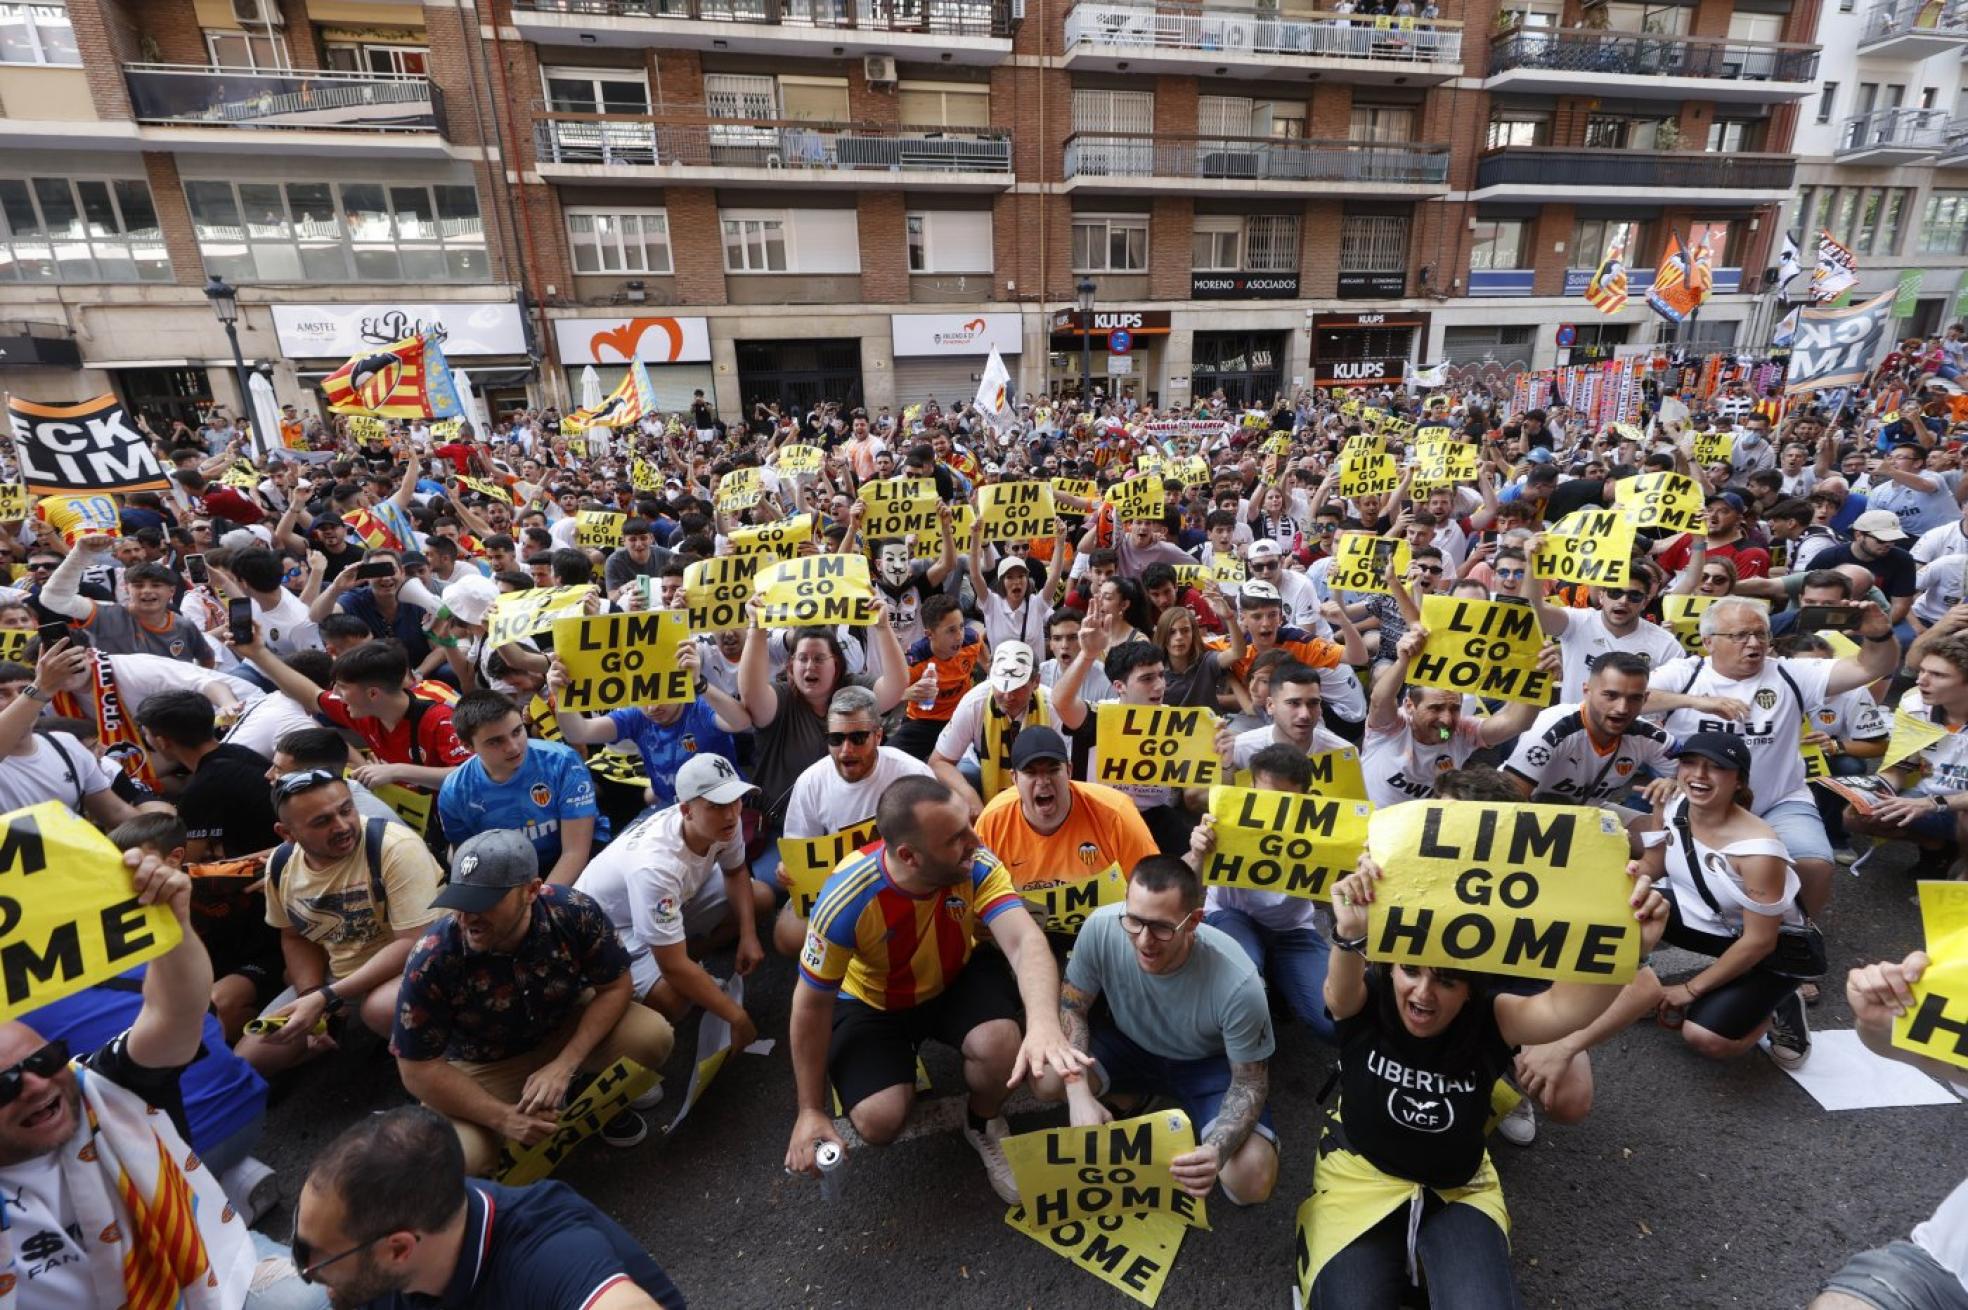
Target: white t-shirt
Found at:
1586, 638
1945, 1236
1854, 714
965, 730
50, 1255
264, 722
822, 803
286, 627
1399, 768
1948, 539
1026, 623
64, 770
1558, 756
1776, 766
1944, 765
1918, 511
1943, 584
644, 878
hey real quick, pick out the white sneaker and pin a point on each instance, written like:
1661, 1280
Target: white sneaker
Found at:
650, 1099
1520, 1126
996, 1167
252, 1188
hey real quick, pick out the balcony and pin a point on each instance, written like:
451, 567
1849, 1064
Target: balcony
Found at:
1259, 165
974, 32
1541, 173
1190, 39
1954, 144
311, 110
607, 148
1914, 29
1645, 65
1888, 137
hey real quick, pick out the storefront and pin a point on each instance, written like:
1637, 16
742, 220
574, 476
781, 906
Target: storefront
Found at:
1358, 350
797, 375
1128, 351
175, 391
1247, 367
487, 338
941, 357
676, 351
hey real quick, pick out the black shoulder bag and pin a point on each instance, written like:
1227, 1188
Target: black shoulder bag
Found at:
1800, 949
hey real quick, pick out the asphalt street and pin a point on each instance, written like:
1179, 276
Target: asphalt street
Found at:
1692, 1184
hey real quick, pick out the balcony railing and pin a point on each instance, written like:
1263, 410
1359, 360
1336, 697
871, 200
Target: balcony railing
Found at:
1635, 54
1893, 19
1533, 166
1900, 131
1232, 32
979, 18
303, 99
1254, 159
562, 138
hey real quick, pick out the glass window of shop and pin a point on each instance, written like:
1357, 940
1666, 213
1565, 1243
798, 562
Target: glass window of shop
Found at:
1867, 220
1944, 229
361, 231
57, 229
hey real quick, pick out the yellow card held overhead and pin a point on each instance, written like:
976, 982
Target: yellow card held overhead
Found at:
1361, 562
598, 528
715, 591
1660, 500
1368, 475
1156, 746
1016, 511
1138, 498
1482, 648
619, 660
781, 537
817, 589
1592, 547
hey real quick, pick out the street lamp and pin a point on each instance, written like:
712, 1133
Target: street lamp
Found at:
1086, 288
225, 308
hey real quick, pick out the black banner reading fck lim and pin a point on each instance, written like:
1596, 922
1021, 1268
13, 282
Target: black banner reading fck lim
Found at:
89, 446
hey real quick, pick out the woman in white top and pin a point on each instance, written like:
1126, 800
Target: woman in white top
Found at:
1732, 887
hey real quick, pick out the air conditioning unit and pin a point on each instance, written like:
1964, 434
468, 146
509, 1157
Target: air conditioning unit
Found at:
876, 68
258, 13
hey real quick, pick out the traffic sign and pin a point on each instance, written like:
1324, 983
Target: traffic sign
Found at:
1120, 341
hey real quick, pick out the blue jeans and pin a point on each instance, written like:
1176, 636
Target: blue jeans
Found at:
281, 1289
1293, 961
1464, 1258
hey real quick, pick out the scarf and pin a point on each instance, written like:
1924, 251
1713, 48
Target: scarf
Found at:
994, 761
165, 1235
116, 731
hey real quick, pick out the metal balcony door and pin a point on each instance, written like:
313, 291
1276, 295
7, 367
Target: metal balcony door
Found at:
1097, 114
739, 95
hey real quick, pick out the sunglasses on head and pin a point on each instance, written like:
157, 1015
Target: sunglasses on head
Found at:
44, 1063
289, 785
859, 737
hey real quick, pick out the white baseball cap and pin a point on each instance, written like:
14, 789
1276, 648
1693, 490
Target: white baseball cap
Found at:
1262, 550
712, 778
1010, 563
1011, 666
1259, 592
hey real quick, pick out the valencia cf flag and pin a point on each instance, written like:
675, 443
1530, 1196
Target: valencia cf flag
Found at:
405, 379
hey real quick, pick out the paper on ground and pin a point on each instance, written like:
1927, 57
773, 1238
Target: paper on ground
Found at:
713, 1045
1843, 1075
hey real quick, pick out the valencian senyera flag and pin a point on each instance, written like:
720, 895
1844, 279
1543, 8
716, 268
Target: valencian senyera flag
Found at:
405, 379
625, 406
1606, 292
1683, 281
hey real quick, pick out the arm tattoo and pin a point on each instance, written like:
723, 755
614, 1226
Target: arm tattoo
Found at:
1073, 1006
1242, 1103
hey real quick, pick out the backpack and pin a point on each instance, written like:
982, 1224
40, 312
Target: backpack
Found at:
373, 831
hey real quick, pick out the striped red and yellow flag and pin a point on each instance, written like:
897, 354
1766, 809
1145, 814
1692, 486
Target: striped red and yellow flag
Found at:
1607, 290
165, 1254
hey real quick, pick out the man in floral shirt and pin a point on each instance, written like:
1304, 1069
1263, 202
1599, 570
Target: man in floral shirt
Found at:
510, 996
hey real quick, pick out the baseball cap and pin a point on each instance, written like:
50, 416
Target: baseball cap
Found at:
327, 521
1732, 500
1881, 523
1258, 592
1265, 551
712, 778
486, 867
1538, 455
1723, 748
1011, 667
1011, 563
1038, 743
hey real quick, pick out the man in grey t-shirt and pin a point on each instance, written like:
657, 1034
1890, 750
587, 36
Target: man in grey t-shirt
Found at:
1189, 1020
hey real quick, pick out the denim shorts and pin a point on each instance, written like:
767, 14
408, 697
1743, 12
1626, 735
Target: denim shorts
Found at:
1198, 1084
1899, 1276
1800, 828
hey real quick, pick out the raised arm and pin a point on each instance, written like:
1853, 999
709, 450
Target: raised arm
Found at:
755, 674
1878, 657
1384, 707
894, 679
1554, 619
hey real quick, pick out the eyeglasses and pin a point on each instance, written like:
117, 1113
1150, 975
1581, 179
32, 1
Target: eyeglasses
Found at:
289, 785
42, 566
44, 1063
301, 1250
1265, 566
1155, 928
1637, 597
1746, 635
835, 740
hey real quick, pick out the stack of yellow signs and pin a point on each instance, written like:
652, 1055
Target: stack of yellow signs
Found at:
1937, 1025
1103, 1197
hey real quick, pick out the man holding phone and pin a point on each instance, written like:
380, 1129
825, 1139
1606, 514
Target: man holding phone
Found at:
1875, 545
146, 626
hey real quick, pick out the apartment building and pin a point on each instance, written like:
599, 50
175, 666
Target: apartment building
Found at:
859, 199
1883, 152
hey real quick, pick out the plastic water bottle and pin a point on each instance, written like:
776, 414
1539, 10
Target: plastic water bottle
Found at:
929, 702
828, 1158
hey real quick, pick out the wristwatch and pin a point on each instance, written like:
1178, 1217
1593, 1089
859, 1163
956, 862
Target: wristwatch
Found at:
1941, 802
35, 694
1357, 945
327, 993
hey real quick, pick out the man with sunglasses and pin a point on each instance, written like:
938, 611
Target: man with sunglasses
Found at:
1265, 562
1583, 636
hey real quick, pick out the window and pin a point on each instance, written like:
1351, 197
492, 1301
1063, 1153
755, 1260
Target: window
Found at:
950, 241
600, 91
55, 229
1373, 243
810, 99
258, 50
1381, 124
1110, 244
1271, 243
1498, 243
1716, 237
37, 34
321, 231
1608, 132
1113, 111
754, 245
1944, 231
619, 241
1735, 135
385, 60
1827, 101
1594, 238
939, 104
1217, 244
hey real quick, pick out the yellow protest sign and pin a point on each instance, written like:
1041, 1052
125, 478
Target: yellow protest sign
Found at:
1592, 547
928, 545
1937, 1025
13, 643
602, 1100
1349, 408
598, 529
713, 1048
1714, 447
1627, 432
1363, 445
1337, 773
1139, 499
68, 909
1278, 443
1132, 1253
522, 613
1064, 906
1189, 470
715, 591
799, 459
1815, 763
1016, 511
615, 660
1078, 488
1149, 460
644, 476
1912, 734
1156, 746
1274, 841
413, 807
1118, 1168
817, 589
781, 537
1192, 575
13, 501
242, 476
612, 765
1533, 891
1842, 646
805, 863
896, 507
1660, 500
1360, 562
1682, 614
1367, 475
1482, 648
489, 490
1226, 570
1444, 462
364, 428
740, 489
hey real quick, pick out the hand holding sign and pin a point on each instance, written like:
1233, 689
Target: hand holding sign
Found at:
1932, 1018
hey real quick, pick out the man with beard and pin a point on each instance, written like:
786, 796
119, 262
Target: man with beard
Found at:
896, 927
387, 1221
1050, 830
1585, 637
1589, 752
1414, 733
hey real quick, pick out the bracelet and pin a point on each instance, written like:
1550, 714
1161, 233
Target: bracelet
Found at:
1357, 945
1884, 636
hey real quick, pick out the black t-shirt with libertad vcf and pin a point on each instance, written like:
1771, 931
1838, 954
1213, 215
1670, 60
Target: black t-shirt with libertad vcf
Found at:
1402, 1108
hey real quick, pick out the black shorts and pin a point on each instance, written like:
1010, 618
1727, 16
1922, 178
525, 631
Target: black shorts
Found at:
1738, 1007
876, 1049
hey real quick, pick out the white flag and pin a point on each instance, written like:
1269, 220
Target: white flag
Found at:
994, 392
1789, 265
1431, 375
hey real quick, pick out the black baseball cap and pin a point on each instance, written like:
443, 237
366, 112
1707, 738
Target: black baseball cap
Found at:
1038, 743
1723, 748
